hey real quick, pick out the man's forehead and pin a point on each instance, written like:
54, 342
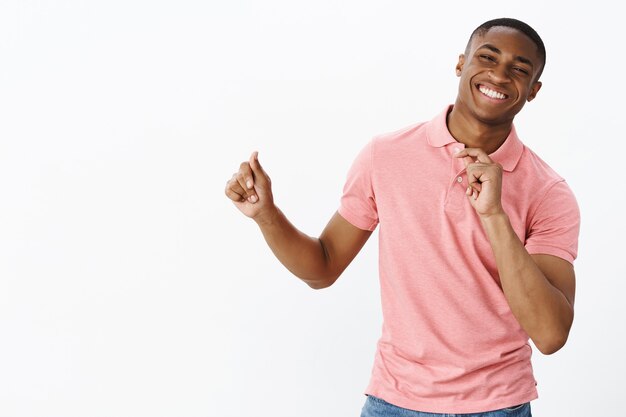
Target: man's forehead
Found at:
501, 36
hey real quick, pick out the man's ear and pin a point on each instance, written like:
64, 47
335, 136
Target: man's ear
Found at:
534, 90
459, 65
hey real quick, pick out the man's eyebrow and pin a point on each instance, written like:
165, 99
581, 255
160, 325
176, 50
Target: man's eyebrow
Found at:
491, 48
519, 58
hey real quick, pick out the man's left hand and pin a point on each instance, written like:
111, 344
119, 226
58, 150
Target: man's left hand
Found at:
485, 181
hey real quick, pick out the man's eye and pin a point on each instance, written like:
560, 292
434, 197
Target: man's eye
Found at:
521, 70
487, 57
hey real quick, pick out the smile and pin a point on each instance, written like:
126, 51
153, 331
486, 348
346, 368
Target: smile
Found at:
491, 93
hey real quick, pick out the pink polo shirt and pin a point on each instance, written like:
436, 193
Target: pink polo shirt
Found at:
450, 343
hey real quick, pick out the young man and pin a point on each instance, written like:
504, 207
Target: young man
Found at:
477, 240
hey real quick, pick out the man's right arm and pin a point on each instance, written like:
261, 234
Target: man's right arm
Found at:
317, 261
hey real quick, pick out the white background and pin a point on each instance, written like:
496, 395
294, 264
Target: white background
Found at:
130, 285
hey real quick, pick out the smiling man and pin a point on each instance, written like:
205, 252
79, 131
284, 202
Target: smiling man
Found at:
477, 241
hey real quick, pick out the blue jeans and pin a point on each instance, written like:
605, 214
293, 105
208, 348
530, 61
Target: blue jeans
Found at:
376, 407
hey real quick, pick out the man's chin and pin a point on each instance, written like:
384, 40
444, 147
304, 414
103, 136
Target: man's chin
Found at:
493, 116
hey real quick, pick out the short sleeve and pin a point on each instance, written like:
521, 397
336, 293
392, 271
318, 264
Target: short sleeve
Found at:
358, 202
555, 225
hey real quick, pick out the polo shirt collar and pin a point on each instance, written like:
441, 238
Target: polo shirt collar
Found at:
510, 152
507, 155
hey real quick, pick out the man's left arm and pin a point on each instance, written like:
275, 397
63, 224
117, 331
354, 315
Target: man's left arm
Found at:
539, 288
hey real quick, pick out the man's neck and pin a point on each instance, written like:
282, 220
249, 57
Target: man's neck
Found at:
474, 133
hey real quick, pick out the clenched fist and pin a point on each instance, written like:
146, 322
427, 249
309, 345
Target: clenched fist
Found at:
485, 181
250, 189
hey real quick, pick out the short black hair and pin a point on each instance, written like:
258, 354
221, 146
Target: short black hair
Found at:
517, 25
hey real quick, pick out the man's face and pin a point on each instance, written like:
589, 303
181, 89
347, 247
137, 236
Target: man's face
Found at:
498, 75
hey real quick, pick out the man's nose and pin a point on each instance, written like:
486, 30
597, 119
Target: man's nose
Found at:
499, 74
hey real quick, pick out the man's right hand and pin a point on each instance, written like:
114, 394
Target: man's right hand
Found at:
317, 261
250, 189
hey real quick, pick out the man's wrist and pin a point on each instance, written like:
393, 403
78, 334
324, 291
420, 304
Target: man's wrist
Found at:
497, 219
267, 217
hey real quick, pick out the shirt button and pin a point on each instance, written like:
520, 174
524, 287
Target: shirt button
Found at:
459, 179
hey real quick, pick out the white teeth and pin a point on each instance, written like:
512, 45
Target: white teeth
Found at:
491, 93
